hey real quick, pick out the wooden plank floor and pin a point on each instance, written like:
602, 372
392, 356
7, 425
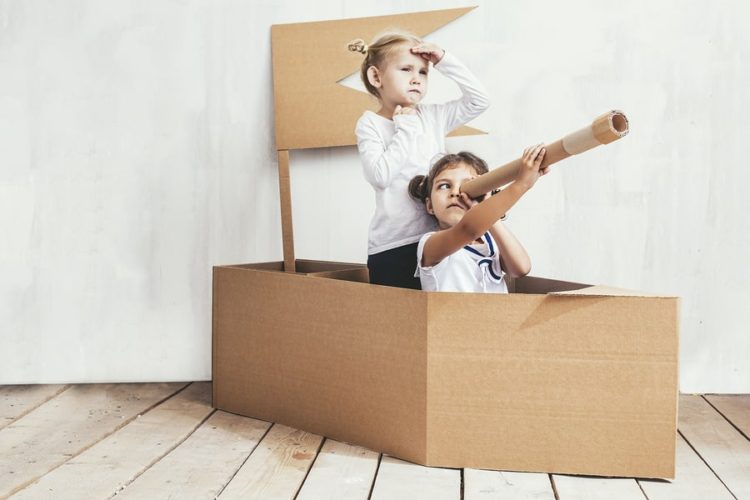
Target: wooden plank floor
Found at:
152, 441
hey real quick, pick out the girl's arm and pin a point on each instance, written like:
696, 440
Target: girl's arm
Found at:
513, 257
478, 219
381, 161
474, 99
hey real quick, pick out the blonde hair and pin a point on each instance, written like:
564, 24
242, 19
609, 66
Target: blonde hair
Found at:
377, 52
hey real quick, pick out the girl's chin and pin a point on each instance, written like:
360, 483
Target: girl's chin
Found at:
448, 223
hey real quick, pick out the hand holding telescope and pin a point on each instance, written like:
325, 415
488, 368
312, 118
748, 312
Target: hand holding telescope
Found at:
604, 129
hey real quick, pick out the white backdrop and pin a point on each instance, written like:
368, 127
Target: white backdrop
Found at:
136, 151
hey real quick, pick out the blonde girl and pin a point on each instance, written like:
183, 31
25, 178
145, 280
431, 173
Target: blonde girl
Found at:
400, 140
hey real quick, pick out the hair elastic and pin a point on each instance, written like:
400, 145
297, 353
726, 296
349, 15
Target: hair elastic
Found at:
358, 45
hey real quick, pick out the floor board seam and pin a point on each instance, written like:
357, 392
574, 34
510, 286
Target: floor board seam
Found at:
554, 487
706, 462
375, 477
462, 484
50, 398
642, 490
82, 450
218, 494
307, 473
161, 457
725, 417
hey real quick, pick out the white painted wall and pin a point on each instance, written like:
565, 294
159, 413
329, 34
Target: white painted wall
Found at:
136, 151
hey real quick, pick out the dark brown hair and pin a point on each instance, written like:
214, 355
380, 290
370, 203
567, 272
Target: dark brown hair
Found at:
420, 186
378, 51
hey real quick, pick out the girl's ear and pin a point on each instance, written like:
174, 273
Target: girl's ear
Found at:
428, 204
373, 76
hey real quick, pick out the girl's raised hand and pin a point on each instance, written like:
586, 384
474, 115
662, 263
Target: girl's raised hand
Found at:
466, 200
531, 160
403, 110
429, 51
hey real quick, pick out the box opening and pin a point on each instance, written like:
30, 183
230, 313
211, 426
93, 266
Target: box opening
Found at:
358, 273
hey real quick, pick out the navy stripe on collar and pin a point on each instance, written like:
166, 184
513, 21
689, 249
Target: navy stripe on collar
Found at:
487, 260
489, 268
491, 247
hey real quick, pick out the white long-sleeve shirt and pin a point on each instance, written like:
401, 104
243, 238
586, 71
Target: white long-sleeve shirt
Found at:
394, 151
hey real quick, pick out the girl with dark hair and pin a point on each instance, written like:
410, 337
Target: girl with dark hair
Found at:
472, 251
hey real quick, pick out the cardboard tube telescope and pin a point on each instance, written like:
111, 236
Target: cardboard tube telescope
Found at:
604, 129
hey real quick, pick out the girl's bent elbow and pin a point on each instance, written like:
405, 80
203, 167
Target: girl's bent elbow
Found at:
484, 103
522, 271
480, 102
376, 180
469, 232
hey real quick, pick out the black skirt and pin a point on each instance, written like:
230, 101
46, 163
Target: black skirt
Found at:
395, 267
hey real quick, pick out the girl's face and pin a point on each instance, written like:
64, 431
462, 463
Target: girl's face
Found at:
403, 80
444, 201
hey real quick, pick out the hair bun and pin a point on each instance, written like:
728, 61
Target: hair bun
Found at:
357, 45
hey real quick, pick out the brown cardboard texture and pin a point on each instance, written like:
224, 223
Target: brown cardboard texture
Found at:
554, 377
581, 384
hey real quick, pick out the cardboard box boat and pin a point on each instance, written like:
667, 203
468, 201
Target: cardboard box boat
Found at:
553, 377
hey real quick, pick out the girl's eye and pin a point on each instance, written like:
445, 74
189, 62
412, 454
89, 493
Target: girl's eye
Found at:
423, 72
443, 185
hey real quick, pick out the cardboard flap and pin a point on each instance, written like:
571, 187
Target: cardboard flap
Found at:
607, 291
303, 266
543, 286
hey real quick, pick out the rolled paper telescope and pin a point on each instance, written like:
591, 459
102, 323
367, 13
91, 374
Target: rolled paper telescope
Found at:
605, 129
